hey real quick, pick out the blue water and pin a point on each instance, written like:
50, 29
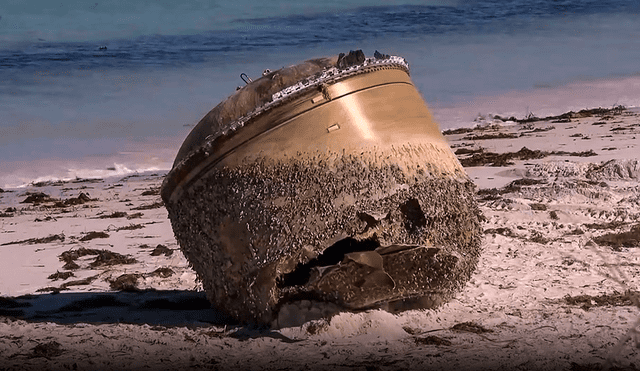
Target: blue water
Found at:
117, 84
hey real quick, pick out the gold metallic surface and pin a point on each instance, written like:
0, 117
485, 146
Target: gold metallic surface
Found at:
380, 110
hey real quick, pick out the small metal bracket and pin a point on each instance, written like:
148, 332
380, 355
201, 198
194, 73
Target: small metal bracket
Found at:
245, 78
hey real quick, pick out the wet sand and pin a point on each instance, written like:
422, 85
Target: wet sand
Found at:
91, 276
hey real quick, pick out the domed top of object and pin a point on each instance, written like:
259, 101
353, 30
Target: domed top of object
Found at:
273, 89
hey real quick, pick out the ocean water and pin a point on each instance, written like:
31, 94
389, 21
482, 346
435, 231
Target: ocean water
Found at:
113, 87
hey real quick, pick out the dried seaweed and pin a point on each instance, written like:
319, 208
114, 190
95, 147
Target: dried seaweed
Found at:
470, 327
457, 131
161, 249
614, 299
47, 350
433, 340
106, 258
162, 272
31, 241
125, 282
151, 192
93, 234
505, 159
623, 239
154, 205
60, 275
115, 214
130, 227
491, 136
501, 231
37, 198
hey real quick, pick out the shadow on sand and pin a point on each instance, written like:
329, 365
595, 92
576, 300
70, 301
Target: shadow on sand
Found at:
152, 307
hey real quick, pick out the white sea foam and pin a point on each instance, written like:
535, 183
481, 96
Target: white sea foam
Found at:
117, 170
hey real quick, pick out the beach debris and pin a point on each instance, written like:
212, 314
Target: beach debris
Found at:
335, 219
66, 285
94, 234
125, 282
113, 215
130, 227
592, 173
160, 250
37, 198
152, 192
628, 298
107, 258
470, 327
103, 257
482, 158
60, 275
504, 231
135, 216
47, 350
622, 239
604, 113
491, 136
154, 205
71, 255
458, 131
431, 340
163, 272
31, 241
538, 207
79, 200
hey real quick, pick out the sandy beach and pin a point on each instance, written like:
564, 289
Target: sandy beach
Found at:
91, 276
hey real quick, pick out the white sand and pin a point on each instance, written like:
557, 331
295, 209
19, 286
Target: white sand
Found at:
533, 258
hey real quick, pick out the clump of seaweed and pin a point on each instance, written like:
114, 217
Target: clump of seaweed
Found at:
162, 272
125, 282
501, 231
622, 239
60, 275
161, 249
615, 299
505, 159
81, 199
47, 350
103, 257
94, 234
432, 340
130, 227
37, 198
113, 215
31, 241
470, 327
151, 192
154, 205
107, 258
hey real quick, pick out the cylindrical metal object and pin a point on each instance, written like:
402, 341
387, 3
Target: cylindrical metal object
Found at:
322, 187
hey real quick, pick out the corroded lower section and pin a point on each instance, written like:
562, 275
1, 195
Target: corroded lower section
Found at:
336, 228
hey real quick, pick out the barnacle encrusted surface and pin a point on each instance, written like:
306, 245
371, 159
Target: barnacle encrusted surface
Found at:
256, 233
